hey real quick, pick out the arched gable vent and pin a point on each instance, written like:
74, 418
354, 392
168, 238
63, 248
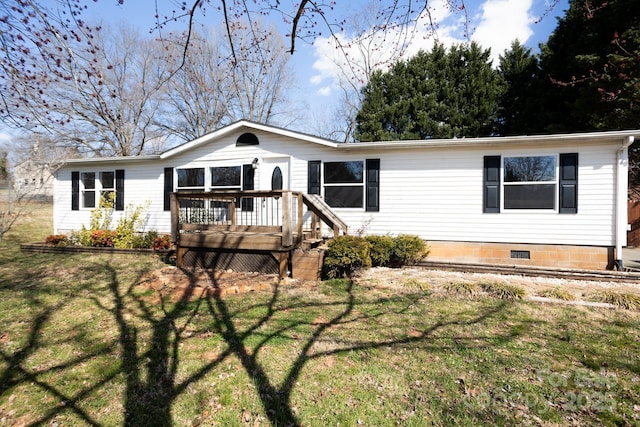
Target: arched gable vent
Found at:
247, 139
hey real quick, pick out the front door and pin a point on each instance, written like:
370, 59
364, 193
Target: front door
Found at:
274, 173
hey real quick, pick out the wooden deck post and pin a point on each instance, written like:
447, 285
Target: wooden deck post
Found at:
180, 252
175, 217
284, 264
300, 219
316, 229
232, 211
287, 223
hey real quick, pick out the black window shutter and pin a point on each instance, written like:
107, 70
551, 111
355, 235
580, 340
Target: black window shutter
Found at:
313, 177
75, 191
119, 189
568, 185
491, 182
247, 184
372, 185
168, 188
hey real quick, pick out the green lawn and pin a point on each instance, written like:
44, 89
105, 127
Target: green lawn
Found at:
81, 343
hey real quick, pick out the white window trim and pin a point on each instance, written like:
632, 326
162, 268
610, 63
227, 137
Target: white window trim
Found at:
555, 182
346, 184
97, 190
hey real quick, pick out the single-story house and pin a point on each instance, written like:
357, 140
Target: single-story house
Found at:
544, 200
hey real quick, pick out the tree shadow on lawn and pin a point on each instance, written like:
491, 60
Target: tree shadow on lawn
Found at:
149, 401
150, 365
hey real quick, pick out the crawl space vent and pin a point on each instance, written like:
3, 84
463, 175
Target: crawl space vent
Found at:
520, 254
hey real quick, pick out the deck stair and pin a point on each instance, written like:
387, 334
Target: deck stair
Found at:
272, 223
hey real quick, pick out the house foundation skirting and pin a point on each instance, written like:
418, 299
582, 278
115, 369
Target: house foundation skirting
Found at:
553, 256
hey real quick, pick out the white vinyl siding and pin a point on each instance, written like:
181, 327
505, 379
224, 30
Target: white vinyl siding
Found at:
436, 193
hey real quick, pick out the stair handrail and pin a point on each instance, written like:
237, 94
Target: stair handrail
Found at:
320, 208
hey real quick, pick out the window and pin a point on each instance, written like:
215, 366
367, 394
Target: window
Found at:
88, 180
88, 187
247, 139
530, 182
226, 177
107, 182
190, 179
217, 178
344, 184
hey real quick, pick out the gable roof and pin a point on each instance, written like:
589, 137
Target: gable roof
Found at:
249, 126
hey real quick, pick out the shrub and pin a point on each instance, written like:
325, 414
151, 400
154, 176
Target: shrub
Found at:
102, 238
161, 243
407, 249
380, 250
101, 215
57, 240
345, 256
126, 229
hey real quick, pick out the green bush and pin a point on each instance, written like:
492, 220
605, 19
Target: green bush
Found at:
128, 224
381, 249
101, 215
407, 249
345, 256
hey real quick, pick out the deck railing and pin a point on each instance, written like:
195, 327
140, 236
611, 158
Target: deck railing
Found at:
291, 213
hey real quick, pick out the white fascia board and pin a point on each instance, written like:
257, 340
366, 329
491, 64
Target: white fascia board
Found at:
110, 160
613, 137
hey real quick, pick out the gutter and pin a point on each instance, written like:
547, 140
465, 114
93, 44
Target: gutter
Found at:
622, 187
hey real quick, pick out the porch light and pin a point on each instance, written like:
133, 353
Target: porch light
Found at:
254, 163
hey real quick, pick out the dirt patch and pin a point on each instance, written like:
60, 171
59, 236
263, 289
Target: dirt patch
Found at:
192, 284
436, 280
180, 284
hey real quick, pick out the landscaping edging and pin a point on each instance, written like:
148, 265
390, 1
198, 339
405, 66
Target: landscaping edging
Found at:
43, 248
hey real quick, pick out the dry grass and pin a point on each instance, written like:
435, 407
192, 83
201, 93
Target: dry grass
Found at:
624, 300
557, 293
462, 288
503, 290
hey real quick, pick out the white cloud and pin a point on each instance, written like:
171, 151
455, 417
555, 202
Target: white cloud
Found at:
325, 91
499, 22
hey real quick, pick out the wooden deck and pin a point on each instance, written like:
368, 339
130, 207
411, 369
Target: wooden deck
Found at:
273, 222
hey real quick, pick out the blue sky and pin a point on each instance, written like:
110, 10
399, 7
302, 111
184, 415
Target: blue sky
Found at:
492, 23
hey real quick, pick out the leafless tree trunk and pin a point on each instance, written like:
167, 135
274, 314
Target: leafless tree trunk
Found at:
212, 88
261, 78
198, 97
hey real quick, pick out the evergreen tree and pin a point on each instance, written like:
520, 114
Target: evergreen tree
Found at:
592, 63
519, 112
437, 94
